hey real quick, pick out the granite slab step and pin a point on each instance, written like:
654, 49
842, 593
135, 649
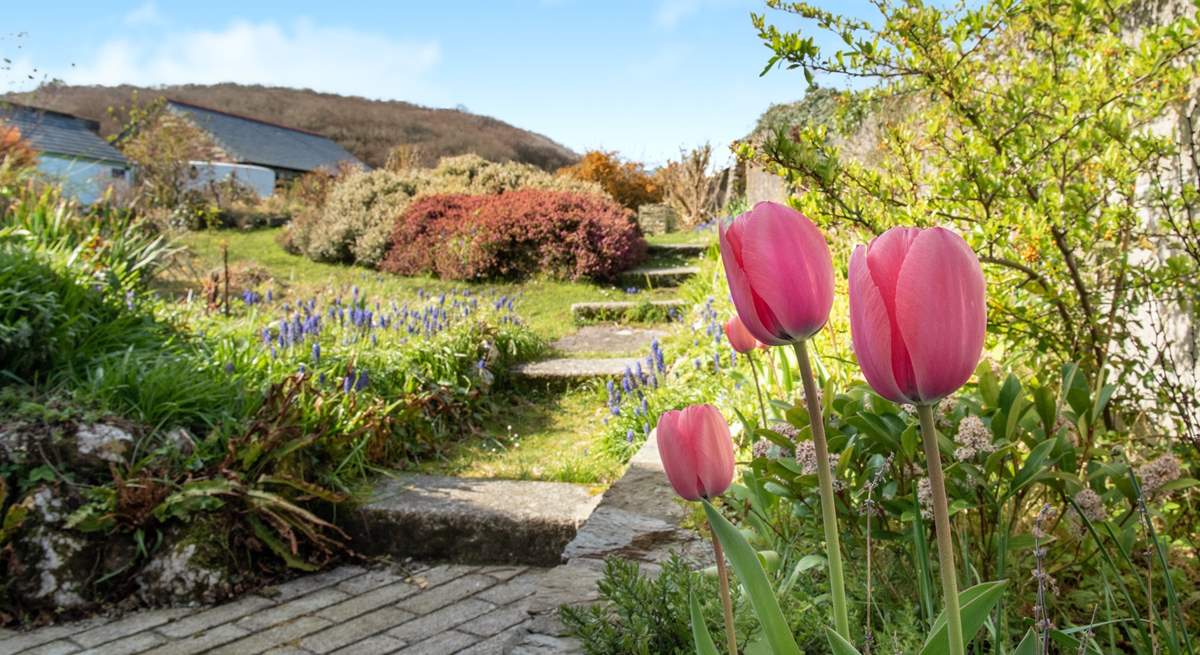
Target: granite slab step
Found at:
678, 249
566, 368
616, 339
621, 309
660, 277
471, 521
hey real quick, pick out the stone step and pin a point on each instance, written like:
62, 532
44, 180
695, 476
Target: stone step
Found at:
564, 369
621, 309
616, 339
660, 277
470, 521
639, 519
678, 249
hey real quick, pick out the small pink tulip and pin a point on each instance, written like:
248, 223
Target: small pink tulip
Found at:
696, 451
739, 337
780, 273
917, 313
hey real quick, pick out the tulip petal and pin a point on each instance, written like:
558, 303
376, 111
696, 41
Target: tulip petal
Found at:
885, 257
755, 314
787, 263
871, 329
677, 454
941, 312
713, 448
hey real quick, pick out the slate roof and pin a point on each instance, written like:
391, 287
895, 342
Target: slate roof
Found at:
252, 141
61, 134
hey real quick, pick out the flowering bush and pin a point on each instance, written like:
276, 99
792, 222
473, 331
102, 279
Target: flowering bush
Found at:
514, 235
356, 217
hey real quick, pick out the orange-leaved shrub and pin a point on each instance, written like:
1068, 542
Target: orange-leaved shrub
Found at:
627, 182
514, 235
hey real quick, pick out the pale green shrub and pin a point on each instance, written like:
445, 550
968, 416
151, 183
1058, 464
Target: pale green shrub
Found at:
356, 221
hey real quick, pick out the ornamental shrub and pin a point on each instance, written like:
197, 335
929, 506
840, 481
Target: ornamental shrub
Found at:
355, 221
627, 182
514, 235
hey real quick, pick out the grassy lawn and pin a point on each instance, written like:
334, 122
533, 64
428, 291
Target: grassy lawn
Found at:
544, 303
683, 236
538, 434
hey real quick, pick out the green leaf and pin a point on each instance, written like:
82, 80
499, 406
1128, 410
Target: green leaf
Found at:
839, 645
745, 564
703, 640
1032, 466
1181, 483
1075, 389
267, 537
989, 387
974, 604
1028, 645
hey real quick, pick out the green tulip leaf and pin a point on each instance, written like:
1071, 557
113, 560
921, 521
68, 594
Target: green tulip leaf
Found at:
1028, 645
746, 565
974, 605
838, 644
704, 641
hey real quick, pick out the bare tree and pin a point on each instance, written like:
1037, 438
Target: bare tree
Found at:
689, 187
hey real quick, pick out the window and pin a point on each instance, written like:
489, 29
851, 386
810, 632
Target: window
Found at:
118, 173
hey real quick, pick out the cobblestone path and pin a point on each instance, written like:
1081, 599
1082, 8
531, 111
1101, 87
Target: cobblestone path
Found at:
347, 610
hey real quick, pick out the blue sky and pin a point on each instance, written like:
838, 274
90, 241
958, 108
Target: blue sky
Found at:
642, 77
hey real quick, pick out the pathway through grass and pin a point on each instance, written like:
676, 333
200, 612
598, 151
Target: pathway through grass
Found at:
536, 433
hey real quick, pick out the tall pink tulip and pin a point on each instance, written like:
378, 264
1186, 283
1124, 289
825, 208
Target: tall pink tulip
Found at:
780, 273
917, 318
697, 454
739, 337
696, 451
917, 313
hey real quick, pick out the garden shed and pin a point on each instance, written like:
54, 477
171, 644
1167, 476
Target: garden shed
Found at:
70, 150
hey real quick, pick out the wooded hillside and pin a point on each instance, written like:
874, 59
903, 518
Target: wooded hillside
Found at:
367, 128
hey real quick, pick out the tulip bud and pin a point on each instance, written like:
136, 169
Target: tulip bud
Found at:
739, 337
917, 313
696, 451
780, 273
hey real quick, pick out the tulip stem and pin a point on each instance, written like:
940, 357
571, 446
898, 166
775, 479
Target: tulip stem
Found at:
762, 406
941, 520
833, 548
726, 601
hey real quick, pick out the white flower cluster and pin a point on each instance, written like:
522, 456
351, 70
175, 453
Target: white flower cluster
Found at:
1091, 505
925, 497
1156, 473
973, 438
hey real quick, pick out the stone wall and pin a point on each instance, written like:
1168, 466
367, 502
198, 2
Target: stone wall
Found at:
657, 218
761, 185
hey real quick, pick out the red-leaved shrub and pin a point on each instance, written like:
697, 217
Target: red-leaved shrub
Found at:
513, 235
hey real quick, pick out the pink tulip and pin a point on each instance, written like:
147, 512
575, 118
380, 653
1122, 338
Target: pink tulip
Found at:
780, 273
696, 451
917, 313
739, 337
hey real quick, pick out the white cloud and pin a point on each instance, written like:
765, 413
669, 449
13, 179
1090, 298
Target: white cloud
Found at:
144, 14
672, 12
333, 59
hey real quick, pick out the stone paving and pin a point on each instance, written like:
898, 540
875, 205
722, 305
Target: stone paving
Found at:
349, 609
